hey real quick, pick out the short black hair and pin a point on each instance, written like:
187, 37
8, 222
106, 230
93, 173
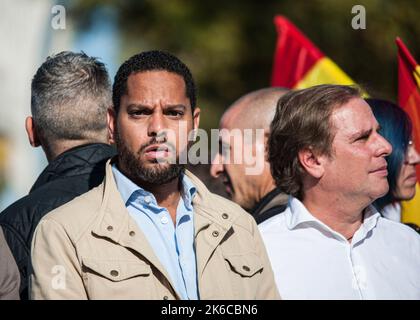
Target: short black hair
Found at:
150, 61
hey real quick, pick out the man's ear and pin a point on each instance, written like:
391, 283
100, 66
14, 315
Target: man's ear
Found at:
31, 132
111, 119
196, 117
311, 162
196, 121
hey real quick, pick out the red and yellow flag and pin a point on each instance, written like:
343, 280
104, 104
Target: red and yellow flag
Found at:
298, 63
409, 100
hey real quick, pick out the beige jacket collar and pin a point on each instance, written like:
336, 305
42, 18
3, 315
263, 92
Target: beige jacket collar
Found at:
117, 225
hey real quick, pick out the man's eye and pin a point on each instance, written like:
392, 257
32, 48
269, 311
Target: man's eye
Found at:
363, 138
175, 113
137, 113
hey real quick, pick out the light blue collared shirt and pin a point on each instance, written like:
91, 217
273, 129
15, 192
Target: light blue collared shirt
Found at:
172, 244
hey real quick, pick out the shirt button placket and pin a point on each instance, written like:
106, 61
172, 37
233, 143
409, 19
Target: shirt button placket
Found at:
355, 271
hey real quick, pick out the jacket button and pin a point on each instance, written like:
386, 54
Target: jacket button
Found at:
215, 233
109, 228
132, 233
246, 268
225, 216
165, 298
114, 273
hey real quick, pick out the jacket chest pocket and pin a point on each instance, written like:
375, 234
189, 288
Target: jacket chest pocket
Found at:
245, 270
245, 265
118, 279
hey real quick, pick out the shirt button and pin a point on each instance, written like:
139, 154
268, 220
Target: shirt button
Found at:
215, 233
165, 298
132, 233
147, 199
109, 228
225, 216
164, 220
114, 273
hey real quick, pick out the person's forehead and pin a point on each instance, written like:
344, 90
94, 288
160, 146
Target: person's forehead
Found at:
227, 119
233, 118
352, 116
156, 81
230, 134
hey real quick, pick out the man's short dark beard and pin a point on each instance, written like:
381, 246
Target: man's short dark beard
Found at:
138, 173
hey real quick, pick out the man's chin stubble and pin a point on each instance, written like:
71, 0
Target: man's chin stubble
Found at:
154, 173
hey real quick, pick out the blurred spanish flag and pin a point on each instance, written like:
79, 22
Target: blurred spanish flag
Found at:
298, 63
409, 100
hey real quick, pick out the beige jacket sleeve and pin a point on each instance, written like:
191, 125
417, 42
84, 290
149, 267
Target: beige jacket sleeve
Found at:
56, 272
9, 273
267, 288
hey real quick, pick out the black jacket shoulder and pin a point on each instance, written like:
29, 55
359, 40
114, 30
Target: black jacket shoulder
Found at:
73, 173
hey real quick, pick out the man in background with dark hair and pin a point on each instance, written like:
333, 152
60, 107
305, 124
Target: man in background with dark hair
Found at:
70, 95
331, 243
151, 230
254, 191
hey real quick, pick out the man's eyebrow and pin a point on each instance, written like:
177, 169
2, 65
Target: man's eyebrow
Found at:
138, 105
143, 106
175, 106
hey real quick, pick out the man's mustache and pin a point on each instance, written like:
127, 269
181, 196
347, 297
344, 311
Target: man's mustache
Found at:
158, 141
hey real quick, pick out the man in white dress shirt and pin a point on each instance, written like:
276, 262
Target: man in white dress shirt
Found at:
330, 243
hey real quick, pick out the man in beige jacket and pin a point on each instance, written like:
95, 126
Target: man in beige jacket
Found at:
151, 230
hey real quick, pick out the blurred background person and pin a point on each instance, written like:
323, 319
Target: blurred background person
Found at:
70, 95
255, 193
30, 31
396, 127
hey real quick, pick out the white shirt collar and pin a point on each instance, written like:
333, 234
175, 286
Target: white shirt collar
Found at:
298, 214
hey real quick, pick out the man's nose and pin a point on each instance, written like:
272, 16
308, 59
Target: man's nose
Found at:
384, 147
156, 125
216, 167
